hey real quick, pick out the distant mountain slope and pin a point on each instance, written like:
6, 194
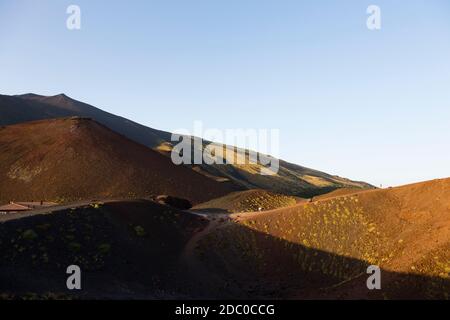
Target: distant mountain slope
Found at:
29, 107
76, 158
291, 179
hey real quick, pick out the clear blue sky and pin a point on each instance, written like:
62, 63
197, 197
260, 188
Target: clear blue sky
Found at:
368, 105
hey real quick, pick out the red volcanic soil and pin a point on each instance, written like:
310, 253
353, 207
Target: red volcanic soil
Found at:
291, 179
72, 159
318, 250
248, 201
322, 249
338, 193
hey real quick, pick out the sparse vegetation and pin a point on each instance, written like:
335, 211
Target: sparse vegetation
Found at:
248, 201
140, 231
104, 248
29, 234
327, 243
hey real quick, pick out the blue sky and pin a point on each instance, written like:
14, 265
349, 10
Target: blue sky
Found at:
368, 105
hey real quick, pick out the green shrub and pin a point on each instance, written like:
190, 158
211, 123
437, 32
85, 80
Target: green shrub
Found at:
104, 248
29, 234
140, 232
74, 246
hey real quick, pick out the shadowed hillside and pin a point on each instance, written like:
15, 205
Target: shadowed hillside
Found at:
30, 107
291, 179
238, 261
321, 249
142, 250
73, 159
125, 249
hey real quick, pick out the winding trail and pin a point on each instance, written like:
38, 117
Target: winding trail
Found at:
215, 221
206, 278
56, 208
189, 256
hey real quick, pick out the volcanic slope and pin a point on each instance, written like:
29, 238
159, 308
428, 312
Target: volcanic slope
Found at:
72, 159
141, 249
322, 249
291, 179
247, 201
125, 249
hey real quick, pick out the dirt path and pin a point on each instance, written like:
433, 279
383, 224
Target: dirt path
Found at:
189, 256
52, 209
216, 220
208, 280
